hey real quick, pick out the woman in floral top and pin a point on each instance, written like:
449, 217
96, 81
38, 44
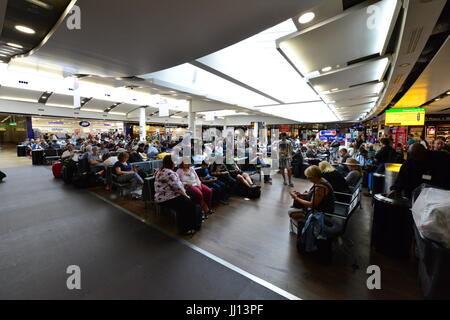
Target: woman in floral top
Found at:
170, 193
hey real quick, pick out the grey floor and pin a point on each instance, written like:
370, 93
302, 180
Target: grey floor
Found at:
46, 226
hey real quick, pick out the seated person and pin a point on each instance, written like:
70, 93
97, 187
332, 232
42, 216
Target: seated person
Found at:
108, 160
95, 160
265, 168
70, 156
343, 155
170, 193
220, 193
126, 173
336, 179
141, 151
221, 172
320, 197
355, 173
363, 157
238, 174
310, 152
191, 181
135, 157
152, 152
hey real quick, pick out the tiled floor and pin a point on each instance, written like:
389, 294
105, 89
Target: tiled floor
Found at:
9, 158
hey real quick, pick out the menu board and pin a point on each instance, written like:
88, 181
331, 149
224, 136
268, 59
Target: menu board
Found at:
405, 117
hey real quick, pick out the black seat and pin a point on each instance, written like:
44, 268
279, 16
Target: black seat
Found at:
51, 155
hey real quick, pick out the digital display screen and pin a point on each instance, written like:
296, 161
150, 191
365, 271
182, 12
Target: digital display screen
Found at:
405, 117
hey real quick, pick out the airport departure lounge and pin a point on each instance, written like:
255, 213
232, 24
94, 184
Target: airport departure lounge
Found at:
238, 150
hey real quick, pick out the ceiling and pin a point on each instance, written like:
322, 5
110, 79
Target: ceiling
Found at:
433, 82
161, 34
420, 21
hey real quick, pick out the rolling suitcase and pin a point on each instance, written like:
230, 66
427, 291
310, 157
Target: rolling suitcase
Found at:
57, 169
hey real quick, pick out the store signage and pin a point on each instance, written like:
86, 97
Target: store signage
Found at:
13, 124
405, 117
84, 124
56, 122
328, 133
443, 129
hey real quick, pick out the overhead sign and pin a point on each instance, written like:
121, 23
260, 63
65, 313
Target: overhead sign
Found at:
405, 117
84, 124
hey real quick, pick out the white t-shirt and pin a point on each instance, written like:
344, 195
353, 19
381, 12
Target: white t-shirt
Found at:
68, 154
110, 161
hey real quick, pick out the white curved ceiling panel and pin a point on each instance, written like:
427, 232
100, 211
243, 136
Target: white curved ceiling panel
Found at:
355, 34
203, 83
363, 72
362, 91
313, 112
257, 63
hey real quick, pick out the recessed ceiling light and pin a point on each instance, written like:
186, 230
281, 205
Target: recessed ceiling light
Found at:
448, 92
335, 89
14, 45
25, 29
326, 69
437, 99
306, 17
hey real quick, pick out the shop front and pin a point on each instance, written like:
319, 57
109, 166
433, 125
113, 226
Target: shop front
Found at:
61, 127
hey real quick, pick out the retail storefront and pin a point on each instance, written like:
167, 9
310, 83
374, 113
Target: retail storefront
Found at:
74, 126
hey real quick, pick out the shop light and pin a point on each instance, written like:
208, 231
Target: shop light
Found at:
326, 69
25, 29
306, 17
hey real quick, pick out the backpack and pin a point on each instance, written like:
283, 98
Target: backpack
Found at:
312, 230
312, 239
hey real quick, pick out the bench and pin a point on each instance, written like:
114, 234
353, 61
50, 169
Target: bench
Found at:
51, 155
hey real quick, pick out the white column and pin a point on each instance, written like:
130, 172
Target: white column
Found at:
142, 125
191, 117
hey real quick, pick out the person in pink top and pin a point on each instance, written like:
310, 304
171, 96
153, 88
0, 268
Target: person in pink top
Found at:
191, 181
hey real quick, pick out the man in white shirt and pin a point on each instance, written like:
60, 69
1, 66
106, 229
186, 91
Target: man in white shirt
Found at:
109, 160
70, 154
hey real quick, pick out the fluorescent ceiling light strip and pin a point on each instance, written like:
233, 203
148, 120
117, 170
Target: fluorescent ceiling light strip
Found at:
92, 110
19, 99
59, 105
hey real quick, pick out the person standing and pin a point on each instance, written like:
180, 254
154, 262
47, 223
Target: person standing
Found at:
285, 157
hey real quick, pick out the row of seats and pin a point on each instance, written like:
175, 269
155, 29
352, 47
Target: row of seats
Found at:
343, 211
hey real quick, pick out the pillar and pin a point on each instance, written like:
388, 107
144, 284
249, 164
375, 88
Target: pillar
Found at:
142, 125
191, 117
